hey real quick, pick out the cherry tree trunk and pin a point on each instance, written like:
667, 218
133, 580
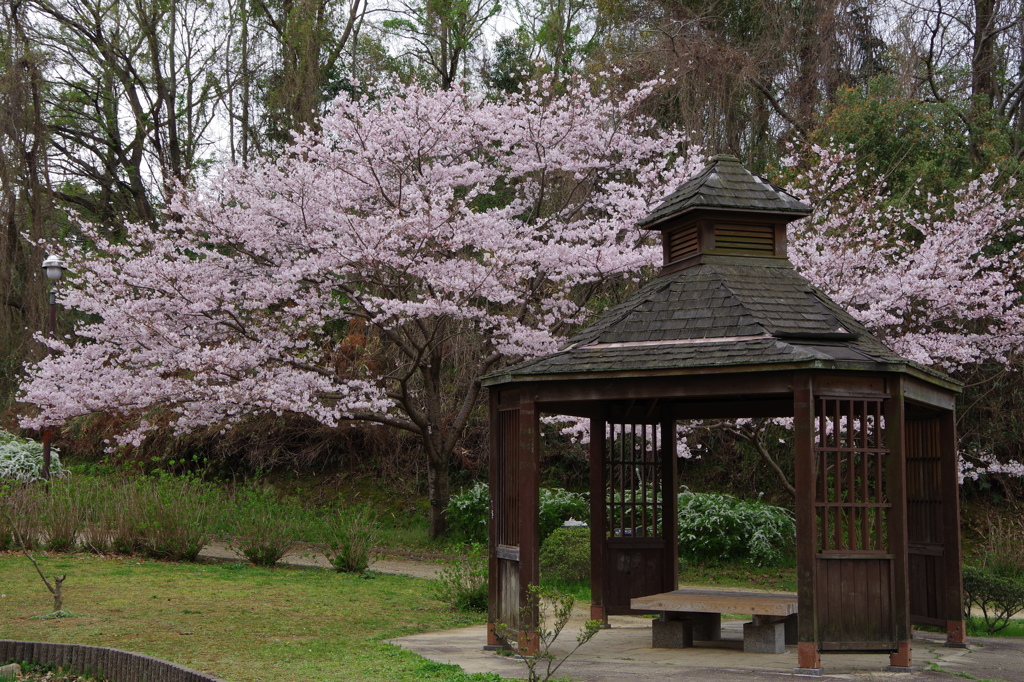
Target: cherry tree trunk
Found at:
439, 492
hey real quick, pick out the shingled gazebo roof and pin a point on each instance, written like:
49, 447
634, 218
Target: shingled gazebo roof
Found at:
729, 312
725, 184
717, 314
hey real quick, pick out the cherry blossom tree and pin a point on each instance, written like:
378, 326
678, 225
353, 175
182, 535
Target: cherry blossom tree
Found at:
940, 285
374, 271
937, 278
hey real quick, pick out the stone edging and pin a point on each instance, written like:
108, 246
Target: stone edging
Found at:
113, 664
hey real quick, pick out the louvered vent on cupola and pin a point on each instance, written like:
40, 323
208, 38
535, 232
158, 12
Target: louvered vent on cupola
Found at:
724, 210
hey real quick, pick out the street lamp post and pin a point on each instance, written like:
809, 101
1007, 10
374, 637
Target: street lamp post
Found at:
54, 268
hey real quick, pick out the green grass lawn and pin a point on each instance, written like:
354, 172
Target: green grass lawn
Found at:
774, 579
236, 621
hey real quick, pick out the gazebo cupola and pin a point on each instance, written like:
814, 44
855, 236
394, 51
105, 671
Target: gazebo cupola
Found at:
724, 210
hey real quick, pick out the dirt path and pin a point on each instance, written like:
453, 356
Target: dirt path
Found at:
302, 554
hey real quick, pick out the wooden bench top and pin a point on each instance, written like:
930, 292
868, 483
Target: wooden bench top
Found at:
710, 600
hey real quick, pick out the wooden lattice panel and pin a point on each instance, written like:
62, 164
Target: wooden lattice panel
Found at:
851, 501
633, 492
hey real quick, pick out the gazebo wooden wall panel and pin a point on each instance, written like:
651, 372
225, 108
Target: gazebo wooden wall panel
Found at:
932, 513
514, 485
633, 513
925, 522
855, 590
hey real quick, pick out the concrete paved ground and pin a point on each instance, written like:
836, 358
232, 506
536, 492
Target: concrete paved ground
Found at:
624, 652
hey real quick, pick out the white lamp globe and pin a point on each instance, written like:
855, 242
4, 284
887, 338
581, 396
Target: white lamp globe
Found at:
54, 268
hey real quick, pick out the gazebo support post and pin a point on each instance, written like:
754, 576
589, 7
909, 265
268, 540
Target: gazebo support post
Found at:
670, 497
598, 520
529, 523
896, 492
956, 634
494, 485
808, 657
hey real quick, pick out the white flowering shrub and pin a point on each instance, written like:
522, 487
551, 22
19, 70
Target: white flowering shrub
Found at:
469, 510
22, 460
715, 527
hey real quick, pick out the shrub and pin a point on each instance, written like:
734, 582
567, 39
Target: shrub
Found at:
1002, 551
21, 460
462, 583
127, 517
175, 517
102, 505
19, 505
565, 554
998, 597
62, 516
469, 511
348, 535
262, 525
715, 527
558, 506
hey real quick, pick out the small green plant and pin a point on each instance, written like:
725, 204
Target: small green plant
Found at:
62, 515
126, 519
348, 535
715, 527
534, 649
262, 524
998, 597
176, 516
565, 554
101, 507
21, 460
469, 511
462, 583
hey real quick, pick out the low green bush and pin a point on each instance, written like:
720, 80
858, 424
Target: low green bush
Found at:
348, 535
62, 515
716, 527
469, 511
462, 583
998, 597
176, 516
262, 526
565, 554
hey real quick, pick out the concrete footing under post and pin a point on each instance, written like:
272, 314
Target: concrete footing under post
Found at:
764, 638
672, 634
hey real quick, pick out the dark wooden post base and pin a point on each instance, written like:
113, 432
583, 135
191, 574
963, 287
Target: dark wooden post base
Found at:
807, 658
901, 657
492, 637
529, 643
956, 634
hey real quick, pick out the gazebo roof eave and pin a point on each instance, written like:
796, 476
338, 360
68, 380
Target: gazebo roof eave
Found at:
920, 372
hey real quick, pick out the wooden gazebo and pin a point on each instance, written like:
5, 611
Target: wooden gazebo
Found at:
730, 330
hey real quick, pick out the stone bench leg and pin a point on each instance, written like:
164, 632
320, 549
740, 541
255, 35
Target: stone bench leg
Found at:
707, 627
764, 638
791, 630
672, 634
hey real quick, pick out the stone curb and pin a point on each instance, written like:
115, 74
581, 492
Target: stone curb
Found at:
113, 664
